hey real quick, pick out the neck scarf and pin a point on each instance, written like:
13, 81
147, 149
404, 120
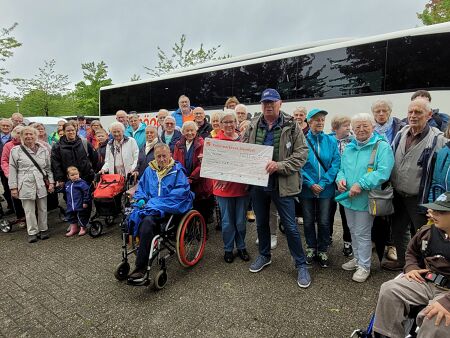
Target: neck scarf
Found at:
383, 129
363, 143
149, 145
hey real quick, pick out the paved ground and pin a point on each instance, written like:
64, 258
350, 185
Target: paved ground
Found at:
65, 287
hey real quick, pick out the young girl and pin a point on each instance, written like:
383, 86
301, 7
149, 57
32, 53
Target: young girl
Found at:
78, 202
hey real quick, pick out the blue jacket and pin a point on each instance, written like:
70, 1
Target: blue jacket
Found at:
139, 136
169, 195
77, 194
313, 173
354, 169
175, 138
178, 116
441, 174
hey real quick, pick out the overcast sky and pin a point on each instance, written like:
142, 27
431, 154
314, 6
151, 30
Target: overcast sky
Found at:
125, 34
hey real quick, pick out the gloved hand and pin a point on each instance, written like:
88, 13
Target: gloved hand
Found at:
140, 203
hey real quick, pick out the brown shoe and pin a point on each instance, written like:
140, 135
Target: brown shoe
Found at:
392, 265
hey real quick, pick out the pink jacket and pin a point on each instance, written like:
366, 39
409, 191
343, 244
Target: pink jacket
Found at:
5, 155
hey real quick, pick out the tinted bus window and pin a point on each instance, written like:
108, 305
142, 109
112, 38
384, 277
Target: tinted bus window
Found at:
418, 62
210, 89
139, 98
112, 100
165, 93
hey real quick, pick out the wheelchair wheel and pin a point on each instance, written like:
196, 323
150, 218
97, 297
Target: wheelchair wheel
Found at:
95, 229
122, 271
109, 220
160, 280
191, 238
5, 226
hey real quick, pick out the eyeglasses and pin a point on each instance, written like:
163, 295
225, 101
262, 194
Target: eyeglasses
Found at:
169, 124
228, 122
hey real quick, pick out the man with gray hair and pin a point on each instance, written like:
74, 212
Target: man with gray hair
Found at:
160, 116
414, 147
184, 112
122, 117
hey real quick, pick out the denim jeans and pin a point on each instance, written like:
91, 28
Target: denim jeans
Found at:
234, 221
316, 210
286, 210
360, 225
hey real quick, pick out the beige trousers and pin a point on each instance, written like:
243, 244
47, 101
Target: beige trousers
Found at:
396, 298
34, 226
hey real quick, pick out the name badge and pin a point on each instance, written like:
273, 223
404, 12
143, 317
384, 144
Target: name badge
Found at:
288, 145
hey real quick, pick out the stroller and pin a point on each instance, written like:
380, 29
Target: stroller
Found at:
108, 199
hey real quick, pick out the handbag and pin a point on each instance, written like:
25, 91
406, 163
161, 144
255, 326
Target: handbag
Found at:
380, 200
45, 176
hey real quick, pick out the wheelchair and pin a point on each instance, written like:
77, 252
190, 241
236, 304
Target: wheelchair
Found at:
183, 235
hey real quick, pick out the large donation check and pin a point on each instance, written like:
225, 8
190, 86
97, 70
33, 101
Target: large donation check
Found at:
236, 162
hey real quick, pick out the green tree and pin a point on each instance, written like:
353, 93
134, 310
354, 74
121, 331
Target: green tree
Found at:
87, 91
435, 11
44, 87
182, 57
7, 45
135, 77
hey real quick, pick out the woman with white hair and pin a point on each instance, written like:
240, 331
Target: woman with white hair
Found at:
385, 124
189, 151
122, 152
147, 152
170, 135
30, 178
358, 176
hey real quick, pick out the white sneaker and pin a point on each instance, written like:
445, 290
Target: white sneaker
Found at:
391, 253
350, 265
273, 242
361, 275
257, 241
299, 220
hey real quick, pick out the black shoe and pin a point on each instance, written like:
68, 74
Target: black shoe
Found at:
347, 250
228, 256
137, 276
322, 257
243, 254
32, 238
43, 235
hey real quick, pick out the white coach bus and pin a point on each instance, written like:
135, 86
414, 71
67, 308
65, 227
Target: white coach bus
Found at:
343, 76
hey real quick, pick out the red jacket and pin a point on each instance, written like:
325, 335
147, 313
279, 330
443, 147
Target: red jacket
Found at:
230, 189
5, 155
202, 187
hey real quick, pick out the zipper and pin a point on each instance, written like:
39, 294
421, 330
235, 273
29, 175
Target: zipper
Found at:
71, 195
160, 180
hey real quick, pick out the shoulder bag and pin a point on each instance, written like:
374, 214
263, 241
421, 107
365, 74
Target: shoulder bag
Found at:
380, 201
45, 176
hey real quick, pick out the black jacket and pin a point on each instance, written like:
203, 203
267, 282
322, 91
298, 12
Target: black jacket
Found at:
175, 138
101, 151
205, 130
73, 153
145, 159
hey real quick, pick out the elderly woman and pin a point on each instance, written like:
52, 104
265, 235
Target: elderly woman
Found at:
319, 173
189, 151
385, 125
358, 178
15, 140
90, 134
215, 123
42, 135
232, 199
136, 129
170, 135
122, 152
300, 116
29, 172
147, 152
71, 150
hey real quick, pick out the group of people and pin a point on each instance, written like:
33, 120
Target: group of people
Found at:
308, 170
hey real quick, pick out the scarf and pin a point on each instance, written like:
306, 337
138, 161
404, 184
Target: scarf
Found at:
149, 145
360, 144
383, 129
161, 172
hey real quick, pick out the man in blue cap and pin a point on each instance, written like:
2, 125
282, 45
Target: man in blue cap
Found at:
277, 129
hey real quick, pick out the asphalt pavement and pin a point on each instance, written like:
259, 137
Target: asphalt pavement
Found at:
65, 287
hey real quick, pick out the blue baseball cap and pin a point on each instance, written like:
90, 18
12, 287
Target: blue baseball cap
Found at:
270, 94
315, 112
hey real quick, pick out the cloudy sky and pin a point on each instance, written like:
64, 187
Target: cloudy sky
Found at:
125, 34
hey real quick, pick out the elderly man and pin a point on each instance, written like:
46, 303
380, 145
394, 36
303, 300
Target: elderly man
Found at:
122, 117
414, 147
6, 127
184, 112
16, 118
160, 116
426, 281
277, 129
204, 127
438, 119
162, 190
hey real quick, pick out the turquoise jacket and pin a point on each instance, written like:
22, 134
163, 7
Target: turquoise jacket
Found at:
139, 136
313, 173
441, 174
355, 169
